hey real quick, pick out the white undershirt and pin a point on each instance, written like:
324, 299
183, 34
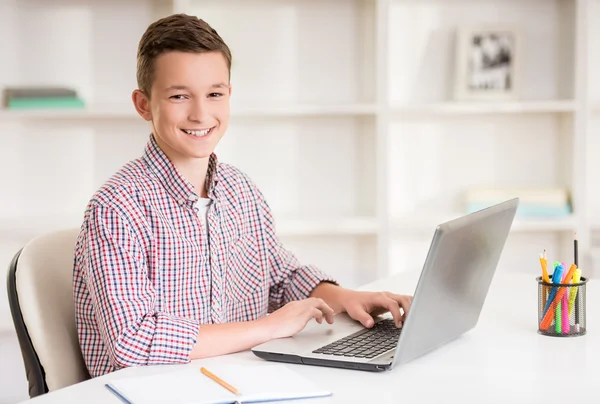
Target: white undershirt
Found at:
202, 206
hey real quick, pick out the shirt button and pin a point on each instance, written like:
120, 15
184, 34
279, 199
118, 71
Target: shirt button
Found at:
193, 197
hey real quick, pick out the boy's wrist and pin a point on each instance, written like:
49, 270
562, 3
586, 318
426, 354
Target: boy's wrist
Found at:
332, 294
265, 328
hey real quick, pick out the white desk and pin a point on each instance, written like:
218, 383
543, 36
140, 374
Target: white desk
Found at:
502, 360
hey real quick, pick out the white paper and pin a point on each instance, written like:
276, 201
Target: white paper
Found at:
256, 384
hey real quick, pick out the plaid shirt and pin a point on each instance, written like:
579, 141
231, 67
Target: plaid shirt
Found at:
147, 274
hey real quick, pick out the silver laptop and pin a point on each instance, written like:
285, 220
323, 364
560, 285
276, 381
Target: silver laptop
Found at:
447, 302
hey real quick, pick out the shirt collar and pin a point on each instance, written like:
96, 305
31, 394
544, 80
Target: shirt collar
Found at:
172, 180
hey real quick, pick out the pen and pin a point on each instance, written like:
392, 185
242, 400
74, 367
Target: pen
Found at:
558, 320
573, 291
217, 379
566, 325
556, 278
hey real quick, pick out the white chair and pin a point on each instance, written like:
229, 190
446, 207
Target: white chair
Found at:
40, 293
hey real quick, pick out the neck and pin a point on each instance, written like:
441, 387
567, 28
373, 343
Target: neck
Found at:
195, 170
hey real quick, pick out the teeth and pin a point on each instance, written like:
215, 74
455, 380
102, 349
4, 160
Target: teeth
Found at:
197, 132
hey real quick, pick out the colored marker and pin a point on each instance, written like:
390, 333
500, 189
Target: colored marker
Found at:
556, 278
573, 291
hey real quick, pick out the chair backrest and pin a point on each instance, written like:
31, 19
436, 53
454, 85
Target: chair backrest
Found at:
40, 292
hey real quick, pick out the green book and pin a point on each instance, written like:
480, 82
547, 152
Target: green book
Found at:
45, 103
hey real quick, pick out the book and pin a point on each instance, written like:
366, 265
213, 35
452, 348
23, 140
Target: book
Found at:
544, 196
38, 92
48, 102
256, 384
41, 97
534, 202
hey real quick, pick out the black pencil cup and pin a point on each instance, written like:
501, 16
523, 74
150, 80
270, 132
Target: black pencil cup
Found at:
561, 308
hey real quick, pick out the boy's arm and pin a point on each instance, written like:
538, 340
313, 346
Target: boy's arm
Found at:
292, 281
289, 279
133, 329
135, 332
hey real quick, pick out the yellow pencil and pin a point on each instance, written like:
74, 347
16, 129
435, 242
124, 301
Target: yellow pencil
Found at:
544, 262
545, 277
217, 379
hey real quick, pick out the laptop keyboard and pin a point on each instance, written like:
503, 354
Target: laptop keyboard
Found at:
368, 343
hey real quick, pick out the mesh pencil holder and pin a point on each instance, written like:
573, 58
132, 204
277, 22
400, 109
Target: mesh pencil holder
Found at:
561, 308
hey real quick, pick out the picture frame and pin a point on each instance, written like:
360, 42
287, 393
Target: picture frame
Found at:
488, 63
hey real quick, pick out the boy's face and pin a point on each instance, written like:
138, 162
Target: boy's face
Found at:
189, 103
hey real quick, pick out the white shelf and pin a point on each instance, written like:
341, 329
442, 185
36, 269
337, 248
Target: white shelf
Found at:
520, 225
549, 224
486, 107
327, 227
300, 110
126, 111
106, 111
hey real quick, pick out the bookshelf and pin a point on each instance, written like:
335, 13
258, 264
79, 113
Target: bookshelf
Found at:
350, 100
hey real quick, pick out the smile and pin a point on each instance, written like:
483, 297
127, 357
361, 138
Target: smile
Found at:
198, 133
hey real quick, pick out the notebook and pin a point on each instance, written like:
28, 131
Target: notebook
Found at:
256, 384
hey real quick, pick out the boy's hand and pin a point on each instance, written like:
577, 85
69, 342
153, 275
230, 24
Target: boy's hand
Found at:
364, 306
293, 317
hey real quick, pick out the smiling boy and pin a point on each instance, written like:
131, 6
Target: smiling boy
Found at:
178, 258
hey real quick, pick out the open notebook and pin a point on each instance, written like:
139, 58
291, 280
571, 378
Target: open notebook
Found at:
256, 384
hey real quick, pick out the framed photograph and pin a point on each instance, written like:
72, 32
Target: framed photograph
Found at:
487, 64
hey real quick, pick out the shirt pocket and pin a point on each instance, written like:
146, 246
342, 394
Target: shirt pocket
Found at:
244, 278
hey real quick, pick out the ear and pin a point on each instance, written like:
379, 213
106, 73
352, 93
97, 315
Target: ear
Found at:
142, 104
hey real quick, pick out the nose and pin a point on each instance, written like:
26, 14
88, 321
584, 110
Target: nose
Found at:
198, 111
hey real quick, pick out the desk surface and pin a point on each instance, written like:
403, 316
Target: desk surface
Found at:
503, 359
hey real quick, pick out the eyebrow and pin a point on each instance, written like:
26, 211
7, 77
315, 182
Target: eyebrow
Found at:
180, 87
220, 85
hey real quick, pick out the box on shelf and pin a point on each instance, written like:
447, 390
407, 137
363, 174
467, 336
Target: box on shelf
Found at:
534, 202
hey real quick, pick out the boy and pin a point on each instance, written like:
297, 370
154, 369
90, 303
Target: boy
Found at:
177, 258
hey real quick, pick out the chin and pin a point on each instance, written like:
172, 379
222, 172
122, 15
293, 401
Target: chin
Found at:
199, 154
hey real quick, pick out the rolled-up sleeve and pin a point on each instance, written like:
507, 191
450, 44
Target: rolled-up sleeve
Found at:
289, 279
133, 329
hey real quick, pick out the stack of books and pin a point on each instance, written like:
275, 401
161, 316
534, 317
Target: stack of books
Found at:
534, 202
41, 98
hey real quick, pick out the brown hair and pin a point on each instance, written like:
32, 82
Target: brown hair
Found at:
177, 32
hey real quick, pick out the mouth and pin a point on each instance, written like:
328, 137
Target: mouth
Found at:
198, 133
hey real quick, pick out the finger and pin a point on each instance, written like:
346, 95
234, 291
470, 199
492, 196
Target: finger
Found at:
324, 308
364, 318
393, 307
404, 301
317, 315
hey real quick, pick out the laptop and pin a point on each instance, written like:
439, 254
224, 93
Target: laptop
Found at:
447, 302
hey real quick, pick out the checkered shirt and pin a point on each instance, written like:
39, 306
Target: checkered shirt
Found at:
146, 273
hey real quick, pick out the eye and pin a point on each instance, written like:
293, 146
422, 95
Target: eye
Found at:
215, 95
177, 97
